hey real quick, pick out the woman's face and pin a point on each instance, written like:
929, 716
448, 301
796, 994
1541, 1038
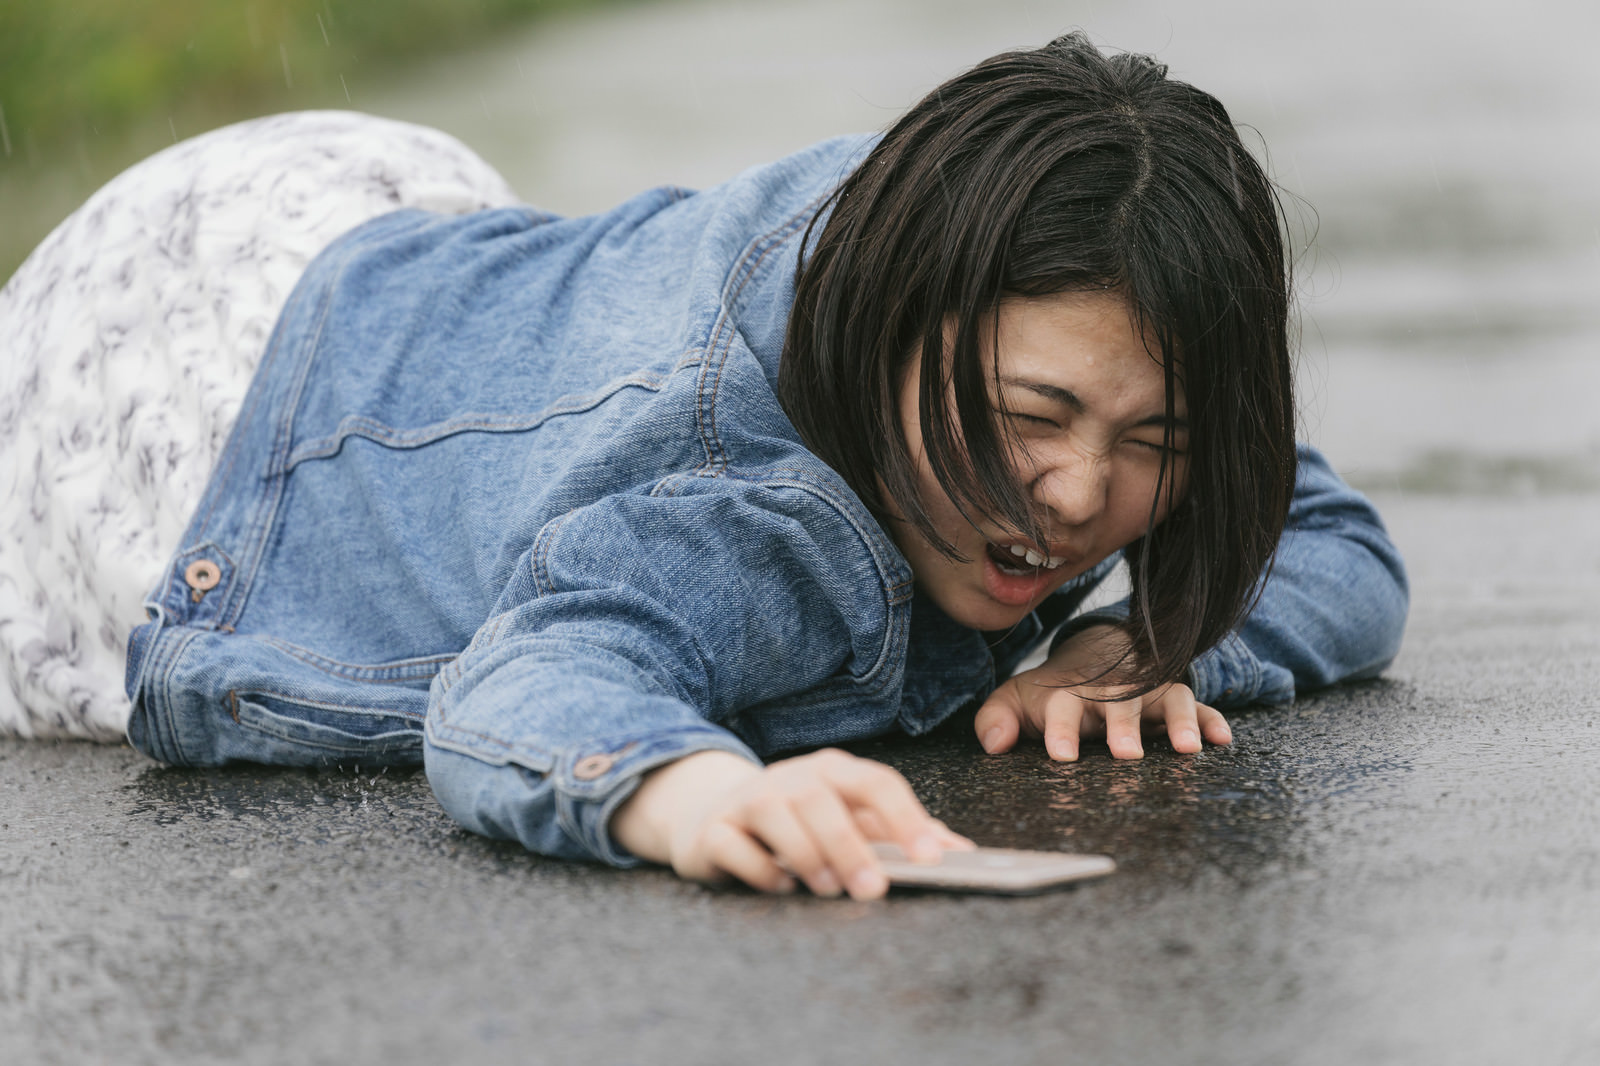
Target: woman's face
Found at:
1087, 403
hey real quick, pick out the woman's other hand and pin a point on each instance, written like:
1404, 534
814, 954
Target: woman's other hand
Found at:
713, 815
1056, 701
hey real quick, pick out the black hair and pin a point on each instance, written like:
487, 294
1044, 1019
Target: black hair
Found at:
1052, 170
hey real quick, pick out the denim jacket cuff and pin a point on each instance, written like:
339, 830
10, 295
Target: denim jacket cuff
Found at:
1230, 675
593, 781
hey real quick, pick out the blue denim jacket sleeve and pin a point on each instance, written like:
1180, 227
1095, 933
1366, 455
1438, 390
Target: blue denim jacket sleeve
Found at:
1332, 609
637, 631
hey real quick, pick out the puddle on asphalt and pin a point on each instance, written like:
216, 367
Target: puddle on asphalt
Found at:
1235, 810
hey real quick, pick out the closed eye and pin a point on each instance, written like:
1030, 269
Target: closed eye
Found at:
1159, 448
1032, 420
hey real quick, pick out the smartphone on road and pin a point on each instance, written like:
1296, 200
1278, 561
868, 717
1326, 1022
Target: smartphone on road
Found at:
1008, 871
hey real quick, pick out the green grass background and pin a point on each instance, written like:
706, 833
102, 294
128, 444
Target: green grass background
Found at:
89, 86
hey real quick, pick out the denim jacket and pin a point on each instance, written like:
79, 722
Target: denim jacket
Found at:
512, 495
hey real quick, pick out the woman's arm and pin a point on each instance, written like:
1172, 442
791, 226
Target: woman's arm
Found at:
588, 717
1333, 607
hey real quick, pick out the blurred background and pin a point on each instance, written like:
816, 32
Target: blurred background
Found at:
1441, 161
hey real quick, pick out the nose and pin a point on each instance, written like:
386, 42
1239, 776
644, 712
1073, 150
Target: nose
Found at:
1073, 486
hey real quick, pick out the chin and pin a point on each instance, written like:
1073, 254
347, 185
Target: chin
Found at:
989, 617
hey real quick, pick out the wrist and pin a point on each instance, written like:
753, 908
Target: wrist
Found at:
671, 795
1091, 623
1095, 653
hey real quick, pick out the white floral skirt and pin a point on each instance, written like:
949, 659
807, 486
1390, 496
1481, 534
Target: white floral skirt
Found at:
127, 341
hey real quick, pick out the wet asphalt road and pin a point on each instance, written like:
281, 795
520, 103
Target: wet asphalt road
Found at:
1404, 871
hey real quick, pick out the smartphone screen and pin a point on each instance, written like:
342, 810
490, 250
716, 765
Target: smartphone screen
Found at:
1004, 870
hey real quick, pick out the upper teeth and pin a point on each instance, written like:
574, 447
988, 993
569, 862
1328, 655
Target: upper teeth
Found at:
1049, 562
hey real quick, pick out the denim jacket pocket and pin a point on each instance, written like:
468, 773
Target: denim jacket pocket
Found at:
297, 732
206, 698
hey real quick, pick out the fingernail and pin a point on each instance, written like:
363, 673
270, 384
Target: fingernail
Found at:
991, 739
868, 884
785, 886
1190, 738
926, 849
825, 884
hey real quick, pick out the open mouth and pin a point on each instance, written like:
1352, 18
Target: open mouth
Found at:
1017, 560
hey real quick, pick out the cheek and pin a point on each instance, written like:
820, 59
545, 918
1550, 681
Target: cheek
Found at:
1133, 496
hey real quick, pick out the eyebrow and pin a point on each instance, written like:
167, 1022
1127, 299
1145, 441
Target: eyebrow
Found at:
1069, 399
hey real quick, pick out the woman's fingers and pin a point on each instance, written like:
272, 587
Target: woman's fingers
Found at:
775, 836
1189, 722
1065, 717
999, 721
843, 847
871, 824
813, 815
1123, 720
733, 852
873, 828
869, 785
1063, 723
776, 825
1178, 710
1213, 726
951, 840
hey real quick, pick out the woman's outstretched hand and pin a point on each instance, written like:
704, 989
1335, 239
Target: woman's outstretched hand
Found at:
713, 815
1052, 701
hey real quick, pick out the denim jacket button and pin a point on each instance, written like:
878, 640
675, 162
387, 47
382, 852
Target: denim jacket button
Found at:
592, 766
202, 575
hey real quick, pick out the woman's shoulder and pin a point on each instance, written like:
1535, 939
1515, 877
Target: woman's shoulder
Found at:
794, 179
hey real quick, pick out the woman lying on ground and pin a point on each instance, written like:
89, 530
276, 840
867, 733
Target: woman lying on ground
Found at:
589, 516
